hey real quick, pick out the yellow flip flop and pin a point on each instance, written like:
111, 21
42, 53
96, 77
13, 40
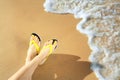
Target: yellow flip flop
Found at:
50, 46
32, 42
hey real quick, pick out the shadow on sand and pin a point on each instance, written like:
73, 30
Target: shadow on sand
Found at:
62, 67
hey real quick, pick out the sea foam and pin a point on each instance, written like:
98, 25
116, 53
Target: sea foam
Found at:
101, 23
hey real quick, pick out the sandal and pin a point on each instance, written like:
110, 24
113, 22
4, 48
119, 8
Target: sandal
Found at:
32, 42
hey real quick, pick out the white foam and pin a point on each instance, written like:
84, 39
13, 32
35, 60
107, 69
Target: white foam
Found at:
101, 23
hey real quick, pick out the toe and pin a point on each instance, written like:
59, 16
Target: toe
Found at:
36, 38
36, 35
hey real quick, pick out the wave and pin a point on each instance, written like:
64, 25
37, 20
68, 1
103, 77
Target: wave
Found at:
101, 23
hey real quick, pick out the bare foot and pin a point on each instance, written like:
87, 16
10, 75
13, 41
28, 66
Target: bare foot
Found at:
34, 47
47, 49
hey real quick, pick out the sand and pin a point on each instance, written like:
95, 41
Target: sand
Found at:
100, 22
19, 18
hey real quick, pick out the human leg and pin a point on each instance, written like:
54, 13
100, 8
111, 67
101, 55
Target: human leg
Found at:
26, 71
32, 61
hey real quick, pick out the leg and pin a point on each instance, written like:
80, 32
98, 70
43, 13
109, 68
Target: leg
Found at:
26, 71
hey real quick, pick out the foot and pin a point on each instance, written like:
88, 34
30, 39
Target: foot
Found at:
47, 49
34, 47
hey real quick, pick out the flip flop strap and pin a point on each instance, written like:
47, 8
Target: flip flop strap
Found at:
50, 47
36, 45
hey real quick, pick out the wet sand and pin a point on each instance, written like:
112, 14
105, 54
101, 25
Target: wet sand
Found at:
19, 18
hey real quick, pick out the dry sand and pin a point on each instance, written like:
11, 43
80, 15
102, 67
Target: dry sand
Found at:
19, 18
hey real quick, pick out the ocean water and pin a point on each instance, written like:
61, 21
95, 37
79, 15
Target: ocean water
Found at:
101, 23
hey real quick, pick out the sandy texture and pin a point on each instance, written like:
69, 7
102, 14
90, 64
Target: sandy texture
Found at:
19, 18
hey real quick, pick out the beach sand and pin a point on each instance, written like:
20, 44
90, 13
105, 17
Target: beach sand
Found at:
19, 18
